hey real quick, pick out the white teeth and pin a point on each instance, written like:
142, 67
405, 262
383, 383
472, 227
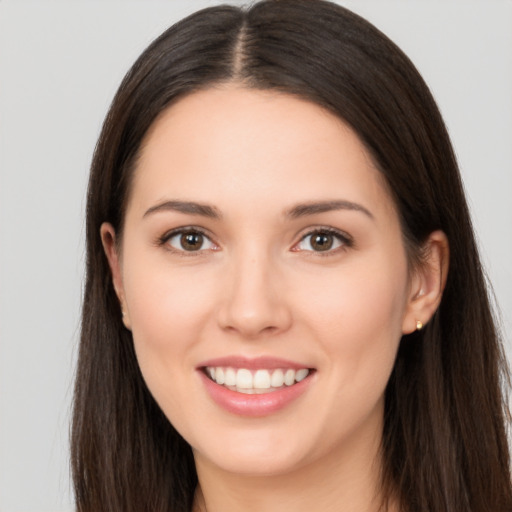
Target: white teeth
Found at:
289, 377
246, 381
219, 376
261, 379
277, 379
243, 379
230, 377
301, 374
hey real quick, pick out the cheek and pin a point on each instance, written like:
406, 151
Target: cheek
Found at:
358, 318
168, 310
356, 321
366, 294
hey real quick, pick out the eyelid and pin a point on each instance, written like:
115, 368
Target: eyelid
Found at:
344, 238
164, 239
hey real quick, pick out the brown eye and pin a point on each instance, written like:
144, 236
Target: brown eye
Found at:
323, 241
189, 241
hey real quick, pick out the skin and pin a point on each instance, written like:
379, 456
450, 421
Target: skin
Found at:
257, 287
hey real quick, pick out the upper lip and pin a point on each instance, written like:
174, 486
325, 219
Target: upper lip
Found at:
262, 362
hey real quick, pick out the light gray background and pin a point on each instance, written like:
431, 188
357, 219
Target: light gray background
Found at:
60, 64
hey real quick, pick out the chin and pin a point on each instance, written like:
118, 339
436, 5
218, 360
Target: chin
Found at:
254, 459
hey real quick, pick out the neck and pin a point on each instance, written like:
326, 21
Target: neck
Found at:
347, 478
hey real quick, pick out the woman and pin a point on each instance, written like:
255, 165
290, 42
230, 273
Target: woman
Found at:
284, 305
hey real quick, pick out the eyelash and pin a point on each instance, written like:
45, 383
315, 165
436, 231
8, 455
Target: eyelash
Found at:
346, 241
164, 240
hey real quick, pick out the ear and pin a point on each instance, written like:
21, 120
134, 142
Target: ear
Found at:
427, 282
108, 239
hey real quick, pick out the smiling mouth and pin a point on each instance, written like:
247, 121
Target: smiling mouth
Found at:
257, 381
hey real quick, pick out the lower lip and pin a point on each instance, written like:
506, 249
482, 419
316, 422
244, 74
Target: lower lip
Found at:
254, 405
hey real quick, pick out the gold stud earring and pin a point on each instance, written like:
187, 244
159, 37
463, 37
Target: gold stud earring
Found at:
419, 325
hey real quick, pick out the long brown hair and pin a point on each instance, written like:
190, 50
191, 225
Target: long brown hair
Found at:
444, 441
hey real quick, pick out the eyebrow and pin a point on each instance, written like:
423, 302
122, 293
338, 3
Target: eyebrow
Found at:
303, 209
187, 207
298, 211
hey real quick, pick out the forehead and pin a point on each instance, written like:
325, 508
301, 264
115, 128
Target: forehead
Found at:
257, 145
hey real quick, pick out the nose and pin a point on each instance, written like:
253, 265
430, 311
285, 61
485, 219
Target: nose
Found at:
254, 301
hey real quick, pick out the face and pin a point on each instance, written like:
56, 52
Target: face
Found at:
263, 275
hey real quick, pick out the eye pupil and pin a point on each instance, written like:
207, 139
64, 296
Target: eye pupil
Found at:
191, 241
321, 241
